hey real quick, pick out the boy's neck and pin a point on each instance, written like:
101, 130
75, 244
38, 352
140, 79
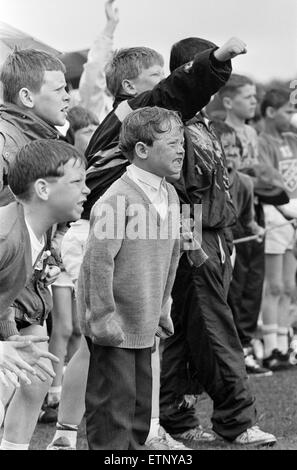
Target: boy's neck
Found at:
37, 219
269, 128
234, 120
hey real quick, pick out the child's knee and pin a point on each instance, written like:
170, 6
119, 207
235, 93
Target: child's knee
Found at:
275, 288
289, 289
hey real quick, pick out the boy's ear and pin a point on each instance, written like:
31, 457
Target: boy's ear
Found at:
227, 102
141, 150
129, 87
270, 112
41, 189
26, 98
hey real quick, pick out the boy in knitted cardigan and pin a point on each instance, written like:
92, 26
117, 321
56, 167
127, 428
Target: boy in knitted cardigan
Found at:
126, 279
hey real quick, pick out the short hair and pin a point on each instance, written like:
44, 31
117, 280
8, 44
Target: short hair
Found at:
185, 50
78, 118
25, 68
144, 125
235, 82
128, 64
222, 128
44, 158
276, 98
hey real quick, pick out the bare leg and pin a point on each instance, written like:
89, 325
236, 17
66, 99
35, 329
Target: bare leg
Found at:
24, 408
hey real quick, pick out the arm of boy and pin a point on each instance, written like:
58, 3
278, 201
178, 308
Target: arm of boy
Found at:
92, 85
188, 89
97, 274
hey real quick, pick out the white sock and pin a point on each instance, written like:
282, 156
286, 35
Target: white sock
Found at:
269, 339
2, 413
5, 445
54, 395
283, 339
154, 428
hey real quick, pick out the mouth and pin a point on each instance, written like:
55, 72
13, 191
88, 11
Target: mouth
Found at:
179, 161
65, 110
81, 203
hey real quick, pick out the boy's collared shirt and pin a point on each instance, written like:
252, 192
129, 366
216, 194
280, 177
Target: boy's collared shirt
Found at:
37, 246
153, 186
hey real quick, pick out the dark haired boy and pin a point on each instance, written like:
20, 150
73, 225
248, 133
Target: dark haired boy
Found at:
205, 347
47, 178
35, 100
134, 236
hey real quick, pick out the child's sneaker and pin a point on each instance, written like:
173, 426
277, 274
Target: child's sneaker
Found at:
164, 442
253, 367
196, 434
48, 413
277, 361
62, 443
255, 437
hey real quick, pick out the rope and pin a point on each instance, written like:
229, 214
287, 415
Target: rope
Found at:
254, 237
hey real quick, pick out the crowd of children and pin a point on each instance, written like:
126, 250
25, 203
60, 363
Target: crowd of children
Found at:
142, 255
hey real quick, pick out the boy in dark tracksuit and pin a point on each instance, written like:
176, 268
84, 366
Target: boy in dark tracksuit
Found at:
206, 342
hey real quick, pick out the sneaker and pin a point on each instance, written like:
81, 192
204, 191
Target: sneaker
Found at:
196, 434
277, 361
255, 437
62, 443
164, 442
48, 413
253, 367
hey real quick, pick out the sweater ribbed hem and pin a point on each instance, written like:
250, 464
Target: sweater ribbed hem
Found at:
7, 328
132, 341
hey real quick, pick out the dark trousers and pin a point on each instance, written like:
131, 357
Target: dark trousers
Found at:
245, 294
118, 398
206, 342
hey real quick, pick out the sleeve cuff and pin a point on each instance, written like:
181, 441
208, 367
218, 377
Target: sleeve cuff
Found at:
7, 329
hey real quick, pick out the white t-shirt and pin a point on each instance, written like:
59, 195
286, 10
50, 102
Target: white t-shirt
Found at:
37, 246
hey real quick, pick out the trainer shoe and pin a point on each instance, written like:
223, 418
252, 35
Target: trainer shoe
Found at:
196, 434
253, 367
255, 437
62, 443
277, 361
48, 414
164, 442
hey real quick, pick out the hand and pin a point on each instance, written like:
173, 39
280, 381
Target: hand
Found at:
112, 17
12, 366
111, 12
230, 49
260, 234
32, 354
51, 274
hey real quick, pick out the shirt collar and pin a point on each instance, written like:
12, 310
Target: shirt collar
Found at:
145, 177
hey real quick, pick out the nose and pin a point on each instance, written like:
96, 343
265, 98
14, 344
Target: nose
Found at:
66, 97
181, 150
86, 190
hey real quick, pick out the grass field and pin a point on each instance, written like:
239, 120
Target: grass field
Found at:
277, 412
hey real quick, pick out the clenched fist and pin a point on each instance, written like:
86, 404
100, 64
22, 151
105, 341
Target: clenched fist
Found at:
232, 48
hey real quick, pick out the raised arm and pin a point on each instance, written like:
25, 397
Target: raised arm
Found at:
189, 88
92, 85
